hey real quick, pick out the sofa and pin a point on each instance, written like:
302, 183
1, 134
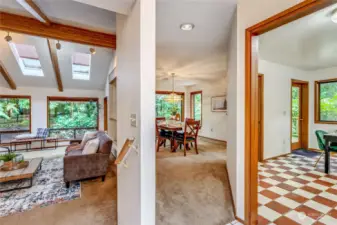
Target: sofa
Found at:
78, 166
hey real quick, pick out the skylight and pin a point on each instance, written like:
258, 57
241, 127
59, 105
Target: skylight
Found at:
81, 66
27, 58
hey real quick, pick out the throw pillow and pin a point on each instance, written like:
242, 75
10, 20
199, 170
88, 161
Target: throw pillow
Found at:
88, 136
91, 147
42, 132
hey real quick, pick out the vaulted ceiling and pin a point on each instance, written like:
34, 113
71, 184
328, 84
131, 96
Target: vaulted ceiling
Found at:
308, 43
200, 54
66, 12
100, 63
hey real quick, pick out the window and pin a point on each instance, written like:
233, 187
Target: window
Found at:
196, 105
81, 66
326, 101
67, 112
27, 58
169, 109
15, 113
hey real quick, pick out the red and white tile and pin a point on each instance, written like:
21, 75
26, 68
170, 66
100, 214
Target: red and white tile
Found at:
292, 191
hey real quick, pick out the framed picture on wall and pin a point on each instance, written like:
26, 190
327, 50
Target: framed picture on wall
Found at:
219, 104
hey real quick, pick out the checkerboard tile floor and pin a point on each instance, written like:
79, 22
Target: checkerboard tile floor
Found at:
292, 191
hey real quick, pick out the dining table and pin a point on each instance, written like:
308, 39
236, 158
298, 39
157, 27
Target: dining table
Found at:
173, 128
329, 138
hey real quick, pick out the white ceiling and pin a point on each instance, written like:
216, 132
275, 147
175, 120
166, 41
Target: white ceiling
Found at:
118, 6
100, 63
199, 54
68, 12
309, 43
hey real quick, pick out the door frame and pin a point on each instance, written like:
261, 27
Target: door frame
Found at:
251, 94
261, 107
105, 105
304, 133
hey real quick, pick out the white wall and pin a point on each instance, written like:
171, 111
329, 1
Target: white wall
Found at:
321, 74
233, 165
277, 109
249, 13
39, 101
214, 124
136, 95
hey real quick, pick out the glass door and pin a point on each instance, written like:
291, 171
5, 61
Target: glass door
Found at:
296, 116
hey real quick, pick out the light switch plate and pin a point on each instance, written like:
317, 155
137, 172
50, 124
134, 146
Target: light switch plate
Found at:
133, 120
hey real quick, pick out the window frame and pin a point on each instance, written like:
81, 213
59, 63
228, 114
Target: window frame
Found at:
76, 75
317, 101
74, 99
192, 105
182, 94
30, 111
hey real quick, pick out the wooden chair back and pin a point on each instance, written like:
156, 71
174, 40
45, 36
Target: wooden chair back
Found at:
191, 128
159, 120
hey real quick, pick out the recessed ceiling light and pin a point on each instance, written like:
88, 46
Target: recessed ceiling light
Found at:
187, 26
334, 16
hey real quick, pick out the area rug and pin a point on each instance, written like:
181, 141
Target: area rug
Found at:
48, 188
306, 153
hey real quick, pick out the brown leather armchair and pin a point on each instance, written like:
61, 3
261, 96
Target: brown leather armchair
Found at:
79, 167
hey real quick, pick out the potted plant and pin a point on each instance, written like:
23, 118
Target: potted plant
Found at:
8, 160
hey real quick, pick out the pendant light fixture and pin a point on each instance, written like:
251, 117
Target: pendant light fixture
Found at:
58, 45
92, 51
8, 38
173, 97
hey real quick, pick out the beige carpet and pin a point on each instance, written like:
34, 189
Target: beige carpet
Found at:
193, 190
97, 205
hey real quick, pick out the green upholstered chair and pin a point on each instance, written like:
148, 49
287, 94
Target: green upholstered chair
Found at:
321, 143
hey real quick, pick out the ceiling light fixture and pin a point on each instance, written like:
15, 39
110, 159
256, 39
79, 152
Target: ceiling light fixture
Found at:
173, 97
92, 51
187, 26
58, 45
8, 38
334, 16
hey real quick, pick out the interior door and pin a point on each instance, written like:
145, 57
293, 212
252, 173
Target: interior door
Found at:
296, 116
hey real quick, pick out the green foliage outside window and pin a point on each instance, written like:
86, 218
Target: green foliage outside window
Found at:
197, 106
328, 101
167, 109
72, 114
14, 114
295, 98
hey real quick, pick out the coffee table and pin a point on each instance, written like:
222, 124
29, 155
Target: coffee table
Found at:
22, 174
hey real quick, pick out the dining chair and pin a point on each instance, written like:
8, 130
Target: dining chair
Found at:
162, 135
190, 135
321, 143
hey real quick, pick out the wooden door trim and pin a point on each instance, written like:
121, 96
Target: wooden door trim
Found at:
251, 95
105, 113
261, 149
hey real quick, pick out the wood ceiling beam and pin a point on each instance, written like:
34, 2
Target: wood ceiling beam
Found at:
7, 77
30, 26
55, 62
33, 9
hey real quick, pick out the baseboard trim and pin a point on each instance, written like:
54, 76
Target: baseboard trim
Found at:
275, 157
240, 220
213, 139
231, 193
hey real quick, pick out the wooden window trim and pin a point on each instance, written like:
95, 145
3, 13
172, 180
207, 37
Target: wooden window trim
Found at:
182, 117
317, 102
73, 99
192, 105
30, 111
